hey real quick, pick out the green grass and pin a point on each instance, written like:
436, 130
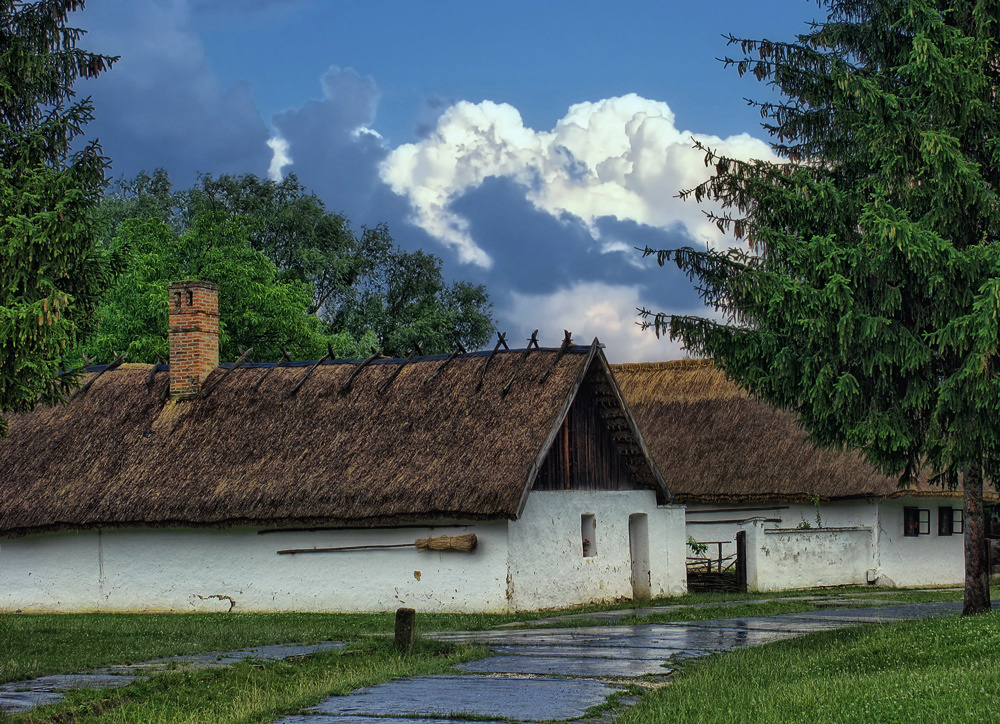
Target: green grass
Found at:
38, 644
936, 670
248, 692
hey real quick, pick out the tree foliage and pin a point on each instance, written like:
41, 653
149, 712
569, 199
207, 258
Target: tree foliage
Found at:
257, 308
867, 297
50, 272
362, 286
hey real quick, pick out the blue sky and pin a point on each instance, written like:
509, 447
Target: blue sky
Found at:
529, 145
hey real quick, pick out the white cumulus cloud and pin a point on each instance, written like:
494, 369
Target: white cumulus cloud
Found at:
619, 157
279, 157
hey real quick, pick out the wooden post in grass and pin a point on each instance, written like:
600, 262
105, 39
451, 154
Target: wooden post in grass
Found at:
405, 628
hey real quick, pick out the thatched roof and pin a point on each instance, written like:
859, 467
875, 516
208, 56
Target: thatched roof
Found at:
714, 443
123, 454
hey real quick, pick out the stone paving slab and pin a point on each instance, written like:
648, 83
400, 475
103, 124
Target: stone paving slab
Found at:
18, 696
597, 652
794, 624
350, 719
589, 666
519, 698
23, 695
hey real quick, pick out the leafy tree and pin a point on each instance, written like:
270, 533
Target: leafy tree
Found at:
361, 284
50, 273
257, 308
404, 300
868, 297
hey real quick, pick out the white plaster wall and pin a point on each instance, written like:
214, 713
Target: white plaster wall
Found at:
547, 565
924, 560
199, 569
837, 514
780, 559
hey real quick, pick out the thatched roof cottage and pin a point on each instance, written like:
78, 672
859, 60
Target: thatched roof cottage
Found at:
305, 486
738, 463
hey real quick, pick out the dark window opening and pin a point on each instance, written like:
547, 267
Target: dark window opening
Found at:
916, 521
945, 520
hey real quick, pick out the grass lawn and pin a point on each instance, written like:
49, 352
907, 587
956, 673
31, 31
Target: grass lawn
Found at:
937, 670
38, 644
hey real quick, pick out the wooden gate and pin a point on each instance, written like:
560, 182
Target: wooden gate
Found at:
711, 570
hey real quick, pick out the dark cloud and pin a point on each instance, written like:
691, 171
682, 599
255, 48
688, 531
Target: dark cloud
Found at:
430, 111
161, 104
536, 253
333, 152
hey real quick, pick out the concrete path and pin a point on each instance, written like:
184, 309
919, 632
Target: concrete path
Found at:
559, 673
18, 696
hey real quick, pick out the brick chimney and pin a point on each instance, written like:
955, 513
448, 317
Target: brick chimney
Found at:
194, 335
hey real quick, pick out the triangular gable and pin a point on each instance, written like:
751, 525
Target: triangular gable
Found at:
626, 435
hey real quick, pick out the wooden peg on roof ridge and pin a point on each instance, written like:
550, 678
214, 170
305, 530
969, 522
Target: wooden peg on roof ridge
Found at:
153, 370
566, 343
317, 363
285, 357
346, 387
399, 368
459, 349
117, 361
244, 354
532, 341
501, 340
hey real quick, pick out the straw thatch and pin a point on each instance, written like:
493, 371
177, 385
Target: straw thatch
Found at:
125, 455
714, 443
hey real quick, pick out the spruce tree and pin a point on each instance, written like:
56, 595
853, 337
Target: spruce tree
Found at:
50, 271
864, 292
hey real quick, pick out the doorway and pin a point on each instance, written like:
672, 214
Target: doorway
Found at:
638, 546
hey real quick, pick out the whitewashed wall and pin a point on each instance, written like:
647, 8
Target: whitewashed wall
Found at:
924, 560
547, 564
198, 569
780, 559
838, 514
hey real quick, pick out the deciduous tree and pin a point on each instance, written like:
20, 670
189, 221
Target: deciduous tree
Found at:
867, 296
361, 284
258, 308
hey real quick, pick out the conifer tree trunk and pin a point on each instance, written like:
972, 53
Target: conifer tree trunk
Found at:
977, 574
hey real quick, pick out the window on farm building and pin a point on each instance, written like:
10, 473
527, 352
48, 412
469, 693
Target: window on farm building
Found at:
588, 535
944, 520
916, 521
957, 521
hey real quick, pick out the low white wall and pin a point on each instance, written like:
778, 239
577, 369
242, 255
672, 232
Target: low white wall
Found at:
702, 526
923, 560
198, 569
547, 564
804, 558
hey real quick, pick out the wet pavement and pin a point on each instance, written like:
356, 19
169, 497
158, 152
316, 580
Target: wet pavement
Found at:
536, 674
557, 674
18, 696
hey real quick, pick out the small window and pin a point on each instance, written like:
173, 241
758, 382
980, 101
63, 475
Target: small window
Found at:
588, 535
957, 520
916, 521
945, 520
